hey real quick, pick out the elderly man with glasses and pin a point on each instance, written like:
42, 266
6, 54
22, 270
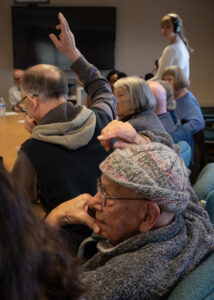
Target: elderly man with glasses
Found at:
14, 91
155, 230
61, 159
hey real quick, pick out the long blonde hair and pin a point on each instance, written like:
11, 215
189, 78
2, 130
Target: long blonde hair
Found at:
177, 23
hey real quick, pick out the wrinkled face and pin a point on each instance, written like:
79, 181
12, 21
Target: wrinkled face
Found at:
170, 79
167, 30
123, 102
119, 219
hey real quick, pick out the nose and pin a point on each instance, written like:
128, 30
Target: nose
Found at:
96, 202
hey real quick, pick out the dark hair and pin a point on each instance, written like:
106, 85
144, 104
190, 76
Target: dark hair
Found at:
35, 264
119, 74
45, 80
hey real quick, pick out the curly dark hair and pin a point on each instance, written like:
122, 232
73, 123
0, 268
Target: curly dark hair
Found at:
35, 263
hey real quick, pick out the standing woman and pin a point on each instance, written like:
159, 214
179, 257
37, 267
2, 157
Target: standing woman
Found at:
178, 50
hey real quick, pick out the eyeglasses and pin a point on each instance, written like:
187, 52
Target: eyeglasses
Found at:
106, 197
19, 104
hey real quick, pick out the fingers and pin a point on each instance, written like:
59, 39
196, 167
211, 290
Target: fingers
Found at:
117, 129
63, 21
90, 222
52, 220
106, 145
122, 145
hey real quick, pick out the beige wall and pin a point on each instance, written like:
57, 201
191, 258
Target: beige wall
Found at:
138, 41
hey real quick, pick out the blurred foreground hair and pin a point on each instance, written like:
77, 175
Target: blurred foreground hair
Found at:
34, 262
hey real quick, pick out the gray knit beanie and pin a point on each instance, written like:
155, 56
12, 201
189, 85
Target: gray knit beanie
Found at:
153, 170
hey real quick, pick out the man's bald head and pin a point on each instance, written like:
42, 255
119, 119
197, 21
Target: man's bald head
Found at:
159, 93
44, 80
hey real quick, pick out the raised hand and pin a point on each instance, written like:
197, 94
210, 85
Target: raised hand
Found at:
66, 41
123, 132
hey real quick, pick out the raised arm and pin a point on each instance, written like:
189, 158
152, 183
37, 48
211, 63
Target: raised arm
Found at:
95, 84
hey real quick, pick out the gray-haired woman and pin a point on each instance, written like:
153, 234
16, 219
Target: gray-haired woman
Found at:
136, 103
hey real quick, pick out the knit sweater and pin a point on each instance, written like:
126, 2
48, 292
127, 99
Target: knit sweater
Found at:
145, 120
148, 265
189, 113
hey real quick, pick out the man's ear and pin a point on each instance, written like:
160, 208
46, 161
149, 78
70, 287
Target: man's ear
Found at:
151, 213
35, 102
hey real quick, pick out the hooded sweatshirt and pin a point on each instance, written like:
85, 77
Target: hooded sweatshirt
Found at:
61, 159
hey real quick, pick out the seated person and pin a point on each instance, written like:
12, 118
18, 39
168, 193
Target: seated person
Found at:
187, 109
156, 230
135, 104
35, 263
177, 132
160, 109
14, 91
61, 159
114, 75
170, 101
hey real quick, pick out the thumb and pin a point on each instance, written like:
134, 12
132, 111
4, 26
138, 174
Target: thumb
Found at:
54, 39
90, 222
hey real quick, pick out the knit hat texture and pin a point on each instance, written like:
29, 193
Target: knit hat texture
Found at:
153, 170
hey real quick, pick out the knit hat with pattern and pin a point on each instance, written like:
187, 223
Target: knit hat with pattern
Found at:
153, 170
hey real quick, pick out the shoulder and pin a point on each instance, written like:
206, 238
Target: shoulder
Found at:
170, 49
13, 89
180, 47
187, 98
29, 145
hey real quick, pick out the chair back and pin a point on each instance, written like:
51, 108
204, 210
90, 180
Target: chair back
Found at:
204, 188
198, 285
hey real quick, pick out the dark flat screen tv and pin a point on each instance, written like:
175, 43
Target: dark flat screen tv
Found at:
93, 27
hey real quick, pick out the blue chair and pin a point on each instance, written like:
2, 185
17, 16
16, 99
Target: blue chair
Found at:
204, 188
185, 152
198, 285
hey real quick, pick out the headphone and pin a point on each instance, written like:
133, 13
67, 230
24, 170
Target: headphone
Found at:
176, 23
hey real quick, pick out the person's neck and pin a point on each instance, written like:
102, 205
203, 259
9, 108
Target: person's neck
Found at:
178, 94
48, 105
175, 38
